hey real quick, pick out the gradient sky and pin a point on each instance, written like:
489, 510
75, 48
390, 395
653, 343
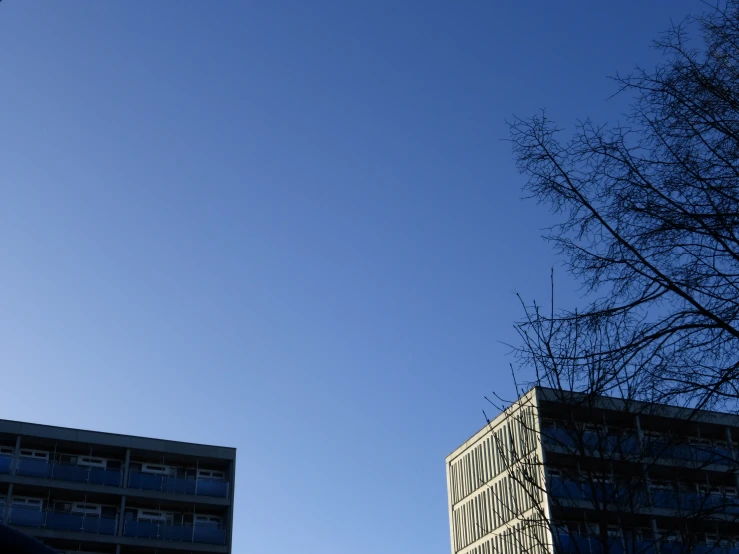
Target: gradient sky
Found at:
289, 227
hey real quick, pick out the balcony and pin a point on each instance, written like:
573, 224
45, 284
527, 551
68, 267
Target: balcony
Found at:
28, 467
665, 498
204, 534
82, 474
603, 492
211, 487
556, 436
5, 464
152, 482
21, 516
86, 523
566, 489
685, 453
34, 468
83, 523
580, 544
679, 548
178, 485
27, 517
688, 501
63, 521
591, 441
683, 501
42, 469
628, 445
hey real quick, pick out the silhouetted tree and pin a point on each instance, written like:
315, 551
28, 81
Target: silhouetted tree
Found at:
650, 227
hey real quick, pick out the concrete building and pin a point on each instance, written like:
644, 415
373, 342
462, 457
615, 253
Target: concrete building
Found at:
565, 473
84, 491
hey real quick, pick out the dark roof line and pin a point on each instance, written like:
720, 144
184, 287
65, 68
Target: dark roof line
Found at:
111, 439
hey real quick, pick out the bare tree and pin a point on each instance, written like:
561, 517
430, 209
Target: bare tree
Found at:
650, 218
650, 221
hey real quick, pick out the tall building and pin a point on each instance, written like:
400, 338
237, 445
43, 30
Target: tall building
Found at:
84, 491
575, 474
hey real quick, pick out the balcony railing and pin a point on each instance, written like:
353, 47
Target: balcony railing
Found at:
5, 463
172, 532
628, 445
179, 485
604, 492
698, 454
591, 441
43, 469
28, 467
688, 501
684, 501
580, 544
86, 523
64, 521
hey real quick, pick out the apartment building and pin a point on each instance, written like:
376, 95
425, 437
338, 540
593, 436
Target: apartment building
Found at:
103, 493
575, 474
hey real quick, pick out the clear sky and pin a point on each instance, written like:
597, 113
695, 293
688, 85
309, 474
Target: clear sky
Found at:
289, 227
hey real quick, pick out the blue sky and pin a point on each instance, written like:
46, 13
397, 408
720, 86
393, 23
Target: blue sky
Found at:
289, 227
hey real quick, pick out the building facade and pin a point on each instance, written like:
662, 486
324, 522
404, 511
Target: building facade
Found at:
85, 491
575, 474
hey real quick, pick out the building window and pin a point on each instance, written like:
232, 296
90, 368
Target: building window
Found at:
91, 462
153, 516
209, 521
209, 474
154, 468
82, 508
34, 454
27, 502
